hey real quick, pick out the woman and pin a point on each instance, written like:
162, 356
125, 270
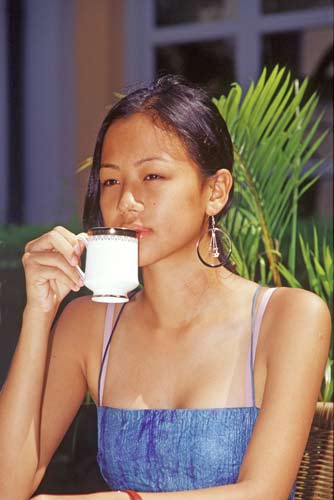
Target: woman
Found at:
185, 408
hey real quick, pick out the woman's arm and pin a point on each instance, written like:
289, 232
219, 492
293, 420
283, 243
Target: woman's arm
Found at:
298, 330
298, 334
31, 401
239, 491
43, 392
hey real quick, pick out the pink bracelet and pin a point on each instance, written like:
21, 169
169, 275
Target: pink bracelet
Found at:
132, 494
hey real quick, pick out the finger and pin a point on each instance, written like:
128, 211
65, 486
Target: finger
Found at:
73, 238
56, 240
68, 235
53, 259
35, 261
49, 273
81, 244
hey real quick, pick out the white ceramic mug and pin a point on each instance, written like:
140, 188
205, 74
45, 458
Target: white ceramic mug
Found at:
111, 263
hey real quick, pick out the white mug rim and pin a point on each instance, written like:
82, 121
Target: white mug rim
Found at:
119, 231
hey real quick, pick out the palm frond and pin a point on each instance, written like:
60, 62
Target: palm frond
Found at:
87, 163
274, 139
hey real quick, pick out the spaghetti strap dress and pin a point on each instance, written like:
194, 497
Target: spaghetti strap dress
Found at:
157, 450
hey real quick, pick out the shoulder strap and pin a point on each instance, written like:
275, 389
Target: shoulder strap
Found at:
105, 351
107, 324
255, 329
109, 329
258, 319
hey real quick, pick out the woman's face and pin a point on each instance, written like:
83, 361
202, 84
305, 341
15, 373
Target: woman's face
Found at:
148, 182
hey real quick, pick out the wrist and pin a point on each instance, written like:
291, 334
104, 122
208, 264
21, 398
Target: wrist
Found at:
132, 494
37, 314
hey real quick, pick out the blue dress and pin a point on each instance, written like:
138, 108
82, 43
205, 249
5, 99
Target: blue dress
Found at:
156, 450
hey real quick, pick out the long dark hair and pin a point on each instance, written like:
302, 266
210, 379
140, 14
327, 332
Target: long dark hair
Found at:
186, 110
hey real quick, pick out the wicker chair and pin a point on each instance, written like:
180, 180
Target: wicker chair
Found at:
315, 475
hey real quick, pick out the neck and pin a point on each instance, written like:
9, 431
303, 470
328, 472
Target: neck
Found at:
179, 287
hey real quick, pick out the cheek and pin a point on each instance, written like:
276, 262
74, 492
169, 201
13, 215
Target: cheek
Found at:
188, 201
108, 204
181, 214
183, 201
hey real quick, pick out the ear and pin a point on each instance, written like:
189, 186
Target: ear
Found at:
219, 186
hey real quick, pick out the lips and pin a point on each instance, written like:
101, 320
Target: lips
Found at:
141, 231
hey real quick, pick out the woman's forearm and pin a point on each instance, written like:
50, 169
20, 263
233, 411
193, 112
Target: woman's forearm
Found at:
238, 491
244, 490
20, 405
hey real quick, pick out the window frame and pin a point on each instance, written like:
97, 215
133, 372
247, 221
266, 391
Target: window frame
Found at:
142, 36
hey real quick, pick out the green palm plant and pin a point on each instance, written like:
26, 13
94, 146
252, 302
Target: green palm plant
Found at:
275, 134
272, 143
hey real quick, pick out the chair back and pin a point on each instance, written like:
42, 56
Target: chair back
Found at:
315, 476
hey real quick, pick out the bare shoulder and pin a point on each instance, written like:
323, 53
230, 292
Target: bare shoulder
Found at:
299, 331
300, 296
297, 324
82, 309
299, 313
78, 327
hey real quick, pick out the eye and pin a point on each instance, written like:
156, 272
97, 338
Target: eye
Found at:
153, 177
109, 182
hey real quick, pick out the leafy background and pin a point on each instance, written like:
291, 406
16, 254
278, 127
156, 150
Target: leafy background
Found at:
274, 129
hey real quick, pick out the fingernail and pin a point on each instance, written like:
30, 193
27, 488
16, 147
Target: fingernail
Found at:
77, 249
74, 260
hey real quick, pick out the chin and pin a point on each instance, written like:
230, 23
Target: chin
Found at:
148, 258
152, 252
146, 262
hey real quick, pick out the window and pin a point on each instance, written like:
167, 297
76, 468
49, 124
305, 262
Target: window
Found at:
307, 52
169, 12
210, 64
272, 6
216, 42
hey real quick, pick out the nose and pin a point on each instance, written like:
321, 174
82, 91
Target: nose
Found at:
129, 205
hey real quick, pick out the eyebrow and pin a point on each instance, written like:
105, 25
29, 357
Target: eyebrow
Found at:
136, 164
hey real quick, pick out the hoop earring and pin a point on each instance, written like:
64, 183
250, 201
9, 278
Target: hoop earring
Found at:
214, 250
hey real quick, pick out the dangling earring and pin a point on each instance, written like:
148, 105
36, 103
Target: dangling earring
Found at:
214, 249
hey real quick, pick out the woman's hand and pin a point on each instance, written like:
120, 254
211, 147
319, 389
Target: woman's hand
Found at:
50, 268
105, 495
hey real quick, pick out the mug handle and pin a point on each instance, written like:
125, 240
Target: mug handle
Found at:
82, 237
